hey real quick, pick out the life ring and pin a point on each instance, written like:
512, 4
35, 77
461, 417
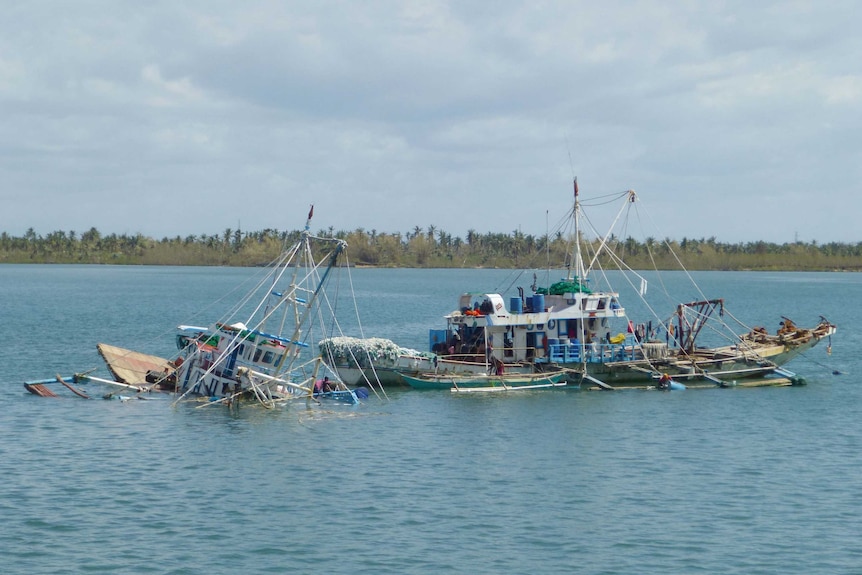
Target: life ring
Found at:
552, 323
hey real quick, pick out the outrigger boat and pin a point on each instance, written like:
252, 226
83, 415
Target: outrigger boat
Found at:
573, 326
359, 361
485, 383
261, 350
375, 359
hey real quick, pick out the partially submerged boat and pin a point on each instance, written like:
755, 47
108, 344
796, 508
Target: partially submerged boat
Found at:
575, 326
262, 348
267, 355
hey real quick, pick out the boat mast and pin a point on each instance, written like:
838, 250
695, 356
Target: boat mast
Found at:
289, 295
579, 279
339, 246
580, 272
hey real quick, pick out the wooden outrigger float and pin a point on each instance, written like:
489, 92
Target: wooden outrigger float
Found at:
483, 383
41, 388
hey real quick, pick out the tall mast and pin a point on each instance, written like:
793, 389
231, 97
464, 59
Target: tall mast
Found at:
580, 272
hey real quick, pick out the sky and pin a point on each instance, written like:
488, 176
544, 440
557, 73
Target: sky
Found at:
736, 120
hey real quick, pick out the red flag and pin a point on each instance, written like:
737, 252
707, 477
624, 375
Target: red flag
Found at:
576, 187
311, 211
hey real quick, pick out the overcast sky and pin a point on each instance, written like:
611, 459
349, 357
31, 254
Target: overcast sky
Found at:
739, 120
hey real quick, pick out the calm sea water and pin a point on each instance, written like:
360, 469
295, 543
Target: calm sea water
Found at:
703, 481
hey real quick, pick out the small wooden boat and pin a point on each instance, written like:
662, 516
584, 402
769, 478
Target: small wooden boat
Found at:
479, 383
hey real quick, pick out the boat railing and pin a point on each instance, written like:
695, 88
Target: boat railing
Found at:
465, 358
572, 352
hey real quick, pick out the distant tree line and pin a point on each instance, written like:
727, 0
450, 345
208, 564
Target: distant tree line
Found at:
423, 248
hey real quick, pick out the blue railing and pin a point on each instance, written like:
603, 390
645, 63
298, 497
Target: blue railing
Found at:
589, 353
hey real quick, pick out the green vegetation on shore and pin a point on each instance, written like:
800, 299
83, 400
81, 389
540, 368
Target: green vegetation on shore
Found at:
430, 248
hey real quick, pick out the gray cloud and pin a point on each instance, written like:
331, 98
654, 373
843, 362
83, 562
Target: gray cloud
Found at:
732, 120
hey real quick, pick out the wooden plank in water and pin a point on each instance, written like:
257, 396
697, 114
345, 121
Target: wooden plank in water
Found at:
39, 389
71, 388
714, 380
598, 382
753, 382
766, 382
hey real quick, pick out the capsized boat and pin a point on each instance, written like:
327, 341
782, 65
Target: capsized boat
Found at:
262, 348
575, 325
140, 370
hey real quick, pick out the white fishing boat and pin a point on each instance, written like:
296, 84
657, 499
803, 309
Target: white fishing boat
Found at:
576, 325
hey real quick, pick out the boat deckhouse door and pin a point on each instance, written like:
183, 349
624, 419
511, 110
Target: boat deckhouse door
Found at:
231, 363
536, 341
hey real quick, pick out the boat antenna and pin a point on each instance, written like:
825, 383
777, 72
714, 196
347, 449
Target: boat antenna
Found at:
547, 249
310, 215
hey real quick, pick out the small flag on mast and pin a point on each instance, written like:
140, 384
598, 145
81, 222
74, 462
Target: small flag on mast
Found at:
576, 187
311, 211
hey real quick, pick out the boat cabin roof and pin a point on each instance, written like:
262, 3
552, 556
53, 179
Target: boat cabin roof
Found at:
241, 328
491, 309
483, 303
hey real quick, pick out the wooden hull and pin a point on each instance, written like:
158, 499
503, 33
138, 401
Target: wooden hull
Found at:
508, 382
131, 367
712, 367
410, 367
386, 376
